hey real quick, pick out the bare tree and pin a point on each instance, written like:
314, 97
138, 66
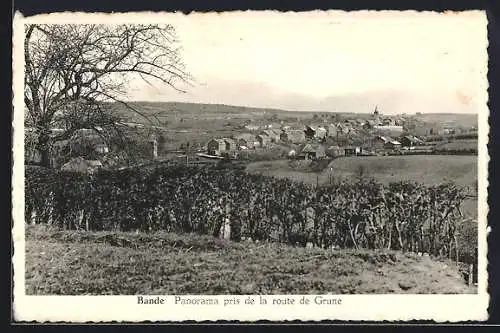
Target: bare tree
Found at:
73, 72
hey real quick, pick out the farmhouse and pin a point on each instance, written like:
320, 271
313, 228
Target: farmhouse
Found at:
411, 141
312, 151
245, 140
293, 136
216, 147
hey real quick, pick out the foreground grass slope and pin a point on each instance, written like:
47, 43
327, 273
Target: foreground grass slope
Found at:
105, 263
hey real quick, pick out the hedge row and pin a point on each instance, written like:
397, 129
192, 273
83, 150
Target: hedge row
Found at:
405, 216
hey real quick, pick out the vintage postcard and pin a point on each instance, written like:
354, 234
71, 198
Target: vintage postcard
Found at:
246, 166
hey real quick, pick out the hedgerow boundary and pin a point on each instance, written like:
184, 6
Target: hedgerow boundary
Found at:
402, 216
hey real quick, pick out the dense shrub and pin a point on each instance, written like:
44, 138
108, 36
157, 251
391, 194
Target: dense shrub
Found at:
364, 214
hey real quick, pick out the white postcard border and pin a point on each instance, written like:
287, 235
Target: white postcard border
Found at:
440, 308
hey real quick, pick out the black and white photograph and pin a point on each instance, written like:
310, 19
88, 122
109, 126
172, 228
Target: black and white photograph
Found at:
212, 159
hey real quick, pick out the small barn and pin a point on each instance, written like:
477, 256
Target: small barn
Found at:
352, 151
312, 152
216, 147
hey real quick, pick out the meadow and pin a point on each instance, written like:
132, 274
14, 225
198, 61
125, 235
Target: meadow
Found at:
428, 169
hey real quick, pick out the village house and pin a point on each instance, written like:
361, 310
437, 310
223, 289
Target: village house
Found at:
380, 141
389, 130
335, 151
216, 147
368, 124
293, 136
411, 141
86, 138
312, 151
392, 144
321, 132
343, 128
310, 131
273, 126
263, 140
388, 122
274, 135
230, 144
252, 127
315, 132
245, 140
331, 130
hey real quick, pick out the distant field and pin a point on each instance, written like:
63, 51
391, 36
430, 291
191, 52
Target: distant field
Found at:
105, 263
452, 119
428, 169
458, 146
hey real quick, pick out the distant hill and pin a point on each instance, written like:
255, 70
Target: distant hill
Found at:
171, 111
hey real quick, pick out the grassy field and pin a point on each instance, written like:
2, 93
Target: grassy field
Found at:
104, 263
429, 169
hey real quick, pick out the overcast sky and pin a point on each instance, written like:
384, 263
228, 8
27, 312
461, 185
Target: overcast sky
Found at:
402, 62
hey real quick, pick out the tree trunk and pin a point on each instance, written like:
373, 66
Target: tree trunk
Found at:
43, 148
